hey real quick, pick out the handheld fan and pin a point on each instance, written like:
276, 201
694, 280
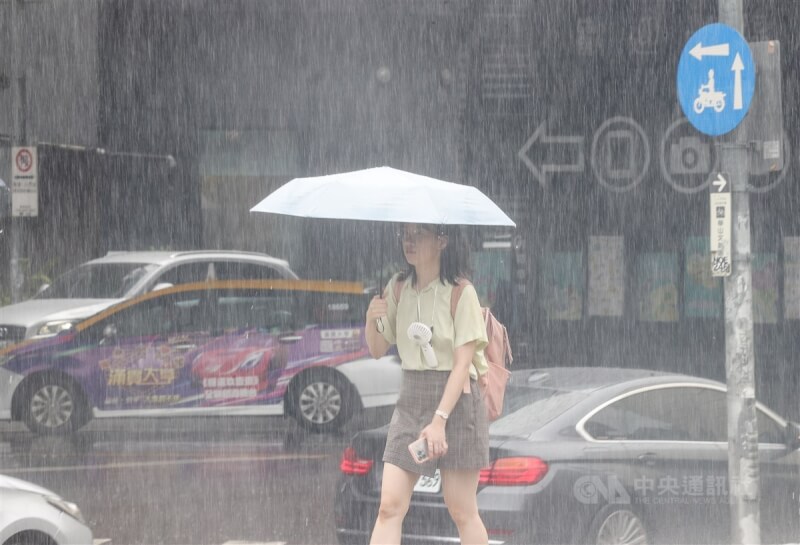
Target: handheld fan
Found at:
421, 335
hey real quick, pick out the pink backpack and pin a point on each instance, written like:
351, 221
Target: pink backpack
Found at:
497, 352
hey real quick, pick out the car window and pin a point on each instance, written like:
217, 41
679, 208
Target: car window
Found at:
329, 309
664, 414
188, 273
97, 281
527, 409
769, 431
269, 312
238, 270
174, 313
289, 309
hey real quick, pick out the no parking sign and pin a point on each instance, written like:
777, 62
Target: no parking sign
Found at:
24, 182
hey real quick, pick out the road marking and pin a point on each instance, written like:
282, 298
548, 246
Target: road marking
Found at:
134, 465
254, 543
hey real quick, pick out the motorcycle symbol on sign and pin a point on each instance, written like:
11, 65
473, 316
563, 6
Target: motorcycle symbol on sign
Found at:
709, 97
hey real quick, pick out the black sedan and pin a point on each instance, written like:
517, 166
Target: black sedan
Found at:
595, 455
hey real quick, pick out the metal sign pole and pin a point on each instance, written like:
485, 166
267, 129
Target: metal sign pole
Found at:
743, 467
15, 274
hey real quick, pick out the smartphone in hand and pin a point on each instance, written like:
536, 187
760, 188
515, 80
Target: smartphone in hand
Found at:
419, 450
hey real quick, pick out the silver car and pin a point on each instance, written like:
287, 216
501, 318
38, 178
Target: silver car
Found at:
100, 283
31, 515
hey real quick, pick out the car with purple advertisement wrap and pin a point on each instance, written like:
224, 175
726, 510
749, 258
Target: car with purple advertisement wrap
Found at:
238, 347
99, 283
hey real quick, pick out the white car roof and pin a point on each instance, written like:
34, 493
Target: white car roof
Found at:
161, 257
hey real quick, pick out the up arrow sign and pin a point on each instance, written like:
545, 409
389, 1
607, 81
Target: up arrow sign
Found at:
720, 183
737, 68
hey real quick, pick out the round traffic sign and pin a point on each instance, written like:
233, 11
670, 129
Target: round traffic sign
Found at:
24, 160
716, 79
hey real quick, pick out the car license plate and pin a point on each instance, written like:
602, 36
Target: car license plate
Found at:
429, 485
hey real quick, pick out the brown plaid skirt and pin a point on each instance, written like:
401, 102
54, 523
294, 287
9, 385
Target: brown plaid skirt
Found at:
467, 429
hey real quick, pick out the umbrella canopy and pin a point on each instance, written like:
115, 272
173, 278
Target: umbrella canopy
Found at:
384, 194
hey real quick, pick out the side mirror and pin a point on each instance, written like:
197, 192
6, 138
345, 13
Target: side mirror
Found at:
162, 286
110, 331
42, 288
793, 436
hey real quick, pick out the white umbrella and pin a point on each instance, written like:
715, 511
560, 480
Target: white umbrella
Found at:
384, 194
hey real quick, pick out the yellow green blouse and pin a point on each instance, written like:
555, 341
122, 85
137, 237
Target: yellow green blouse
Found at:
431, 306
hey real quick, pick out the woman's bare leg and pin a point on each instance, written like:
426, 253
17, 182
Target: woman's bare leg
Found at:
460, 494
396, 490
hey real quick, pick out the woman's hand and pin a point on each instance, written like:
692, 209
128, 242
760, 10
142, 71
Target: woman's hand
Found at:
378, 308
434, 434
378, 346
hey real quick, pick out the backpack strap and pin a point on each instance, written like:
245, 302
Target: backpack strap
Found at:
455, 295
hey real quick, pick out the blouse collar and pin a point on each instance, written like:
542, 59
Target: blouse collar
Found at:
432, 285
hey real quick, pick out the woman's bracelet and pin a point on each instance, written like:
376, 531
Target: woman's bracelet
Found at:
441, 413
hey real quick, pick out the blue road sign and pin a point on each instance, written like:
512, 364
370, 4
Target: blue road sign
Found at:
716, 79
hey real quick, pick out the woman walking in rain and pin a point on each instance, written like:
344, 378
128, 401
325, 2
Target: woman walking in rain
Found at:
439, 400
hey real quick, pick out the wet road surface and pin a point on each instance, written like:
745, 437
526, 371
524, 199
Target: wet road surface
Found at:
194, 481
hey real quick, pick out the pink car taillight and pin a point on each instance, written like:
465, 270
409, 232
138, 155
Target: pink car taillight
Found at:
351, 464
514, 471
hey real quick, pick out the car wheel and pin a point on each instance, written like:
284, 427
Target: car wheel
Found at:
618, 527
30, 538
321, 401
53, 406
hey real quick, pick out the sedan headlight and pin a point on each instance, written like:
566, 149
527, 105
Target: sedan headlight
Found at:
54, 328
67, 507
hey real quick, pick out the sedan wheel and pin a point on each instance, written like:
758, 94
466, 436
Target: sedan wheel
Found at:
52, 407
321, 403
621, 527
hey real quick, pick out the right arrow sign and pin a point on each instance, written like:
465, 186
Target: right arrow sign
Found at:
720, 225
720, 183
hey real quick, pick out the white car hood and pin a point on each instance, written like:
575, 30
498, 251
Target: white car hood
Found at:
34, 311
25, 486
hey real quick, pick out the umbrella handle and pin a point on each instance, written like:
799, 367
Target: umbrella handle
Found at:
379, 325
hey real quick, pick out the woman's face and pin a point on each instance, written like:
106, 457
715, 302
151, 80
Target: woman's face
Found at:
421, 246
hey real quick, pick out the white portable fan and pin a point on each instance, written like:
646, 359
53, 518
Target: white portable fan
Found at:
421, 335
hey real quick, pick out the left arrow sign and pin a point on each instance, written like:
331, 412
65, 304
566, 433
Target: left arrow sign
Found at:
542, 170
720, 50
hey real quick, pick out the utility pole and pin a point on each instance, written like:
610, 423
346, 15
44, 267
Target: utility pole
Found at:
743, 466
17, 139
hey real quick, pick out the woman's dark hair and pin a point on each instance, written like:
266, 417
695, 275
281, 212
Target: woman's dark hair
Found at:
455, 256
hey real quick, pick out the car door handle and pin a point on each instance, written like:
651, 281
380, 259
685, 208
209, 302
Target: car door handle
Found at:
290, 339
648, 458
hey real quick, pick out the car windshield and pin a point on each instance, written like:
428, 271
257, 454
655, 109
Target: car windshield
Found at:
527, 409
97, 281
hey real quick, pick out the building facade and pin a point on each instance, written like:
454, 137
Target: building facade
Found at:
563, 111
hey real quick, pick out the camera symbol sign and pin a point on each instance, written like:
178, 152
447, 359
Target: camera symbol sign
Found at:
716, 79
